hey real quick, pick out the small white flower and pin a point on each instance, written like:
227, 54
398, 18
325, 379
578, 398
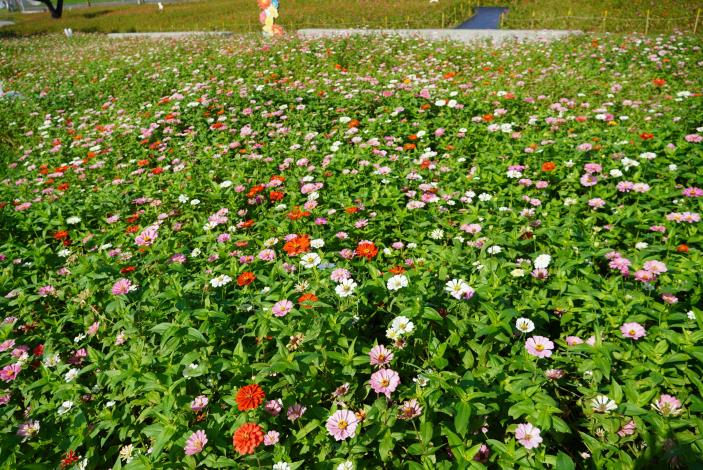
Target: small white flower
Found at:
485, 197
570, 201
397, 282
310, 260
421, 380
440, 102
494, 250
183, 198
52, 360
673, 167
691, 315
221, 280
126, 453
348, 465
615, 173
71, 374
65, 407
281, 466
437, 234
525, 325
64, 253
110, 404
270, 242
225, 184
194, 202
457, 288
569, 164
641, 245
402, 325
345, 288
542, 261
412, 245
603, 404
195, 253
517, 272
648, 155
317, 243
73, 220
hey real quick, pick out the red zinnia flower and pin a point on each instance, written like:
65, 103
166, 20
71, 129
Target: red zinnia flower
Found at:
548, 166
659, 82
128, 269
38, 350
397, 270
297, 213
60, 235
646, 136
70, 458
62, 187
682, 248
275, 196
250, 397
247, 437
246, 278
133, 229
366, 250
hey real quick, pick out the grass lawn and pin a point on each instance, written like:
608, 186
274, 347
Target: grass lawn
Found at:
242, 16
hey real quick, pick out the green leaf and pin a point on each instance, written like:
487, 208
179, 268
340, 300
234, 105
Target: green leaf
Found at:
461, 418
564, 462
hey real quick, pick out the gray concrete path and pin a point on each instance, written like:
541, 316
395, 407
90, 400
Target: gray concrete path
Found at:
6, 23
495, 36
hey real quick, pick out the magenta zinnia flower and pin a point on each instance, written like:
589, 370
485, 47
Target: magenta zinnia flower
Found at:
528, 435
385, 381
633, 330
539, 346
148, 236
380, 356
342, 424
10, 372
195, 443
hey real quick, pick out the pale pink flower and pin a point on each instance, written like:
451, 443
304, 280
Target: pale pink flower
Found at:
528, 435
632, 330
342, 424
271, 438
195, 443
10, 372
627, 429
380, 356
668, 405
409, 409
385, 381
274, 407
539, 346
282, 308
296, 411
148, 236
199, 403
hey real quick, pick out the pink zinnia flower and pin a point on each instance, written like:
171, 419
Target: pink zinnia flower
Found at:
645, 276
271, 438
282, 308
668, 405
539, 346
654, 267
342, 424
10, 372
296, 411
274, 407
627, 429
528, 435
195, 443
380, 356
122, 287
573, 340
199, 403
632, 330
46, 291
148, 236
385, 381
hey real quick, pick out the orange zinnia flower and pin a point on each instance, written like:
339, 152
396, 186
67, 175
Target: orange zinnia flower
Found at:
682, 248
548, 166
246, 278
60, 235
366, 250
247, 438
275, 196
250, 397
297, 213
397, 270
297, 246
307, 298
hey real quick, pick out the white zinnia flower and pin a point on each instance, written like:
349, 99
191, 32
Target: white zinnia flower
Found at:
457, 288
220, 280
437, 234
542, 261
310, 260
65, 407
525, 325
73, 220
402, 325
345, 288
603, 404
317, 243
397, 282
494, 250
71, 374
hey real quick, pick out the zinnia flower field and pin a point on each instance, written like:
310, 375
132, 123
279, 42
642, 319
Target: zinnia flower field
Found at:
351, 253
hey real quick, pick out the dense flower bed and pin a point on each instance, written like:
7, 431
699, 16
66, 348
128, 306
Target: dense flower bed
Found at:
351, 254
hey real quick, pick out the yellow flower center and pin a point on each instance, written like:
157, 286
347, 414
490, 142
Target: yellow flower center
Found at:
385, 383
342, 425
539, 347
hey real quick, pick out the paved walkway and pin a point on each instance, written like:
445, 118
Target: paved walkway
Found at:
5, 23
495, 36
484, 18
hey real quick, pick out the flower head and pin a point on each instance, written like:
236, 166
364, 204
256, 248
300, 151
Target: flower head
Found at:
385, 381
409, 409
525, 325
603, 404
380, 356
342, 424
633, 330
195, 443
250, 397
539, 346
247, 438
528, 435
668, 405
